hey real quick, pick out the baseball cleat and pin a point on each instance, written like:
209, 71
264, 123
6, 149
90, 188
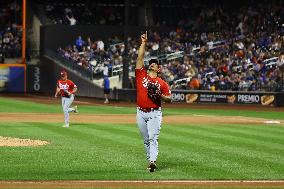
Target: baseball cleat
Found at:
152, 166
106, 101
67, 125
76, 109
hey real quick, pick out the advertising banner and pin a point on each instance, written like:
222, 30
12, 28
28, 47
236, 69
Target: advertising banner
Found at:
263, 99
223, 97
12, 78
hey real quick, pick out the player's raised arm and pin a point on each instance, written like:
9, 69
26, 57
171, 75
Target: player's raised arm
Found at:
141, 52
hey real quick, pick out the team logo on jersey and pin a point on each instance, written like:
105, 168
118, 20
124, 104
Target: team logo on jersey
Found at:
63, 86
145, 82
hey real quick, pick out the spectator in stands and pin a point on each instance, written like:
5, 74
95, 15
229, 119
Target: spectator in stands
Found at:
71, 19
132, 82
10, 32
106, 85
105, 69
194, 83
10, 42
85, 12
100, 45
281, 60
79, 43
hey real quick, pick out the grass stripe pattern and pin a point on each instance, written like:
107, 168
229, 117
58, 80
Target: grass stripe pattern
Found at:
115, 152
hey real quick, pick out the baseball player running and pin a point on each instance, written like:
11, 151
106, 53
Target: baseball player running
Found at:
66, 89
150, 91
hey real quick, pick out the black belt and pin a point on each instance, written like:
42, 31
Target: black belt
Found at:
66, 96
148, 109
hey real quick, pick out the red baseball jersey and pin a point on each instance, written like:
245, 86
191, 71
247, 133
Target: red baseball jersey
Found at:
142, 80
64, 86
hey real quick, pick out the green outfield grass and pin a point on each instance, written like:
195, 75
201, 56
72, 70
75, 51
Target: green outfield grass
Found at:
115, 151
106, 151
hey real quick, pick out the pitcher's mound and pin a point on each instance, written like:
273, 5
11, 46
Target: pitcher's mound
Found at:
9, 141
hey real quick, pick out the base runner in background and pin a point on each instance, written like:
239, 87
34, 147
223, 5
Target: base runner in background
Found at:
66, 89
151, 90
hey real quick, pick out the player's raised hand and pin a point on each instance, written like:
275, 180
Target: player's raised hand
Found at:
144, 37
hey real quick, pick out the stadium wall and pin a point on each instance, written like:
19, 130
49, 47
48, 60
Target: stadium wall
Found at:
50, 72
214, 97
34, 78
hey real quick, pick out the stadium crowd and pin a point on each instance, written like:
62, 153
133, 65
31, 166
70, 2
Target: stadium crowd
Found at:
10, 32
86, 12
72, 15
223, 50
93, 55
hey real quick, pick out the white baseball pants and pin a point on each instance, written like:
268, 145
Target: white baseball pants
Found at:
149, 124
66, 103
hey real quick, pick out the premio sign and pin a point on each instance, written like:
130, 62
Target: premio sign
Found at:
248, 99
178, 97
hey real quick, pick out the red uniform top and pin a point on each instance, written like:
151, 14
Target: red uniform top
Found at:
65, 86
142, 80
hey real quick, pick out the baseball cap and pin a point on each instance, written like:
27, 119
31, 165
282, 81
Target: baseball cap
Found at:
63, 73
154, 61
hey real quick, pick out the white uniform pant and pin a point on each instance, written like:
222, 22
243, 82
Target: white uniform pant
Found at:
149, 124
66, 103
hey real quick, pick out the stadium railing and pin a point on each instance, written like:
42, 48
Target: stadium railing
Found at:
87, 73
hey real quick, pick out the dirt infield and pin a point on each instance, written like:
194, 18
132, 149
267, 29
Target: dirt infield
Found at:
141, 184
9, 141
127, 118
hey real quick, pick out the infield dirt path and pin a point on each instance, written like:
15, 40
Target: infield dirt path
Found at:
127, 118
141, 184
